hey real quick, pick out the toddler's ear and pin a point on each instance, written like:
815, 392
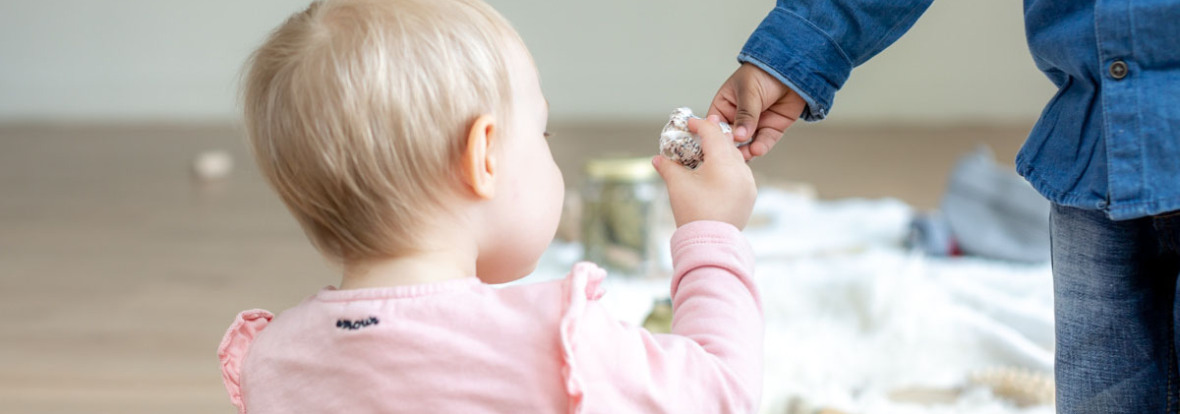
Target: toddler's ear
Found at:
479, 164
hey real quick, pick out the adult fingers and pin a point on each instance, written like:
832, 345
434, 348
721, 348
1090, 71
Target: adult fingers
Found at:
775, 121
763, 142
748, 102
723, 104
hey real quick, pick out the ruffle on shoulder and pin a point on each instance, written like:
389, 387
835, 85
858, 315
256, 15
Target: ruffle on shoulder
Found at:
233, 348
584, 284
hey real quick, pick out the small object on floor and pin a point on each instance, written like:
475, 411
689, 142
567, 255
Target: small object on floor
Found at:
682, 146
211, 166
1021, 386
925, 395
798, 405
930, 233
660, 318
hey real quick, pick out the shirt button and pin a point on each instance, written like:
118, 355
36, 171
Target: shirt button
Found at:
1118, 69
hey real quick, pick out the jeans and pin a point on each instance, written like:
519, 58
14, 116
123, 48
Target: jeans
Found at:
1115, 300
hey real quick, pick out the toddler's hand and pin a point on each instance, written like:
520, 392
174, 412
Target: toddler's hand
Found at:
721, 189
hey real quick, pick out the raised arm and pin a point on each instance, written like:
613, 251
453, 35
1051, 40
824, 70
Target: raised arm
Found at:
712, 361
801, 54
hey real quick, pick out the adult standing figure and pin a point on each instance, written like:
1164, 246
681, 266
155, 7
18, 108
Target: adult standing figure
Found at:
1105, 152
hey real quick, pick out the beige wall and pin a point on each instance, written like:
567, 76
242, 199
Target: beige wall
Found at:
613, 59
964, 61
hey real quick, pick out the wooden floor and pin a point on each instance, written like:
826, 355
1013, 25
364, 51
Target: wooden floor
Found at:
118, 275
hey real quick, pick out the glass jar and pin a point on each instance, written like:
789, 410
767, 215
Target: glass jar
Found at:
620, 199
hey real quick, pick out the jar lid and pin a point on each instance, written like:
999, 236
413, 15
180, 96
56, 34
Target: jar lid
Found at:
621, 169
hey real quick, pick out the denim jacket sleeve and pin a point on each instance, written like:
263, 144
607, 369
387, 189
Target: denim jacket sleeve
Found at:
812, 45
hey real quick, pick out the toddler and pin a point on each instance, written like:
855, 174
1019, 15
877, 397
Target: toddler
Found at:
408, 139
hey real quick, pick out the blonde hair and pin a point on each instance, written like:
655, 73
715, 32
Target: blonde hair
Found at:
358, 110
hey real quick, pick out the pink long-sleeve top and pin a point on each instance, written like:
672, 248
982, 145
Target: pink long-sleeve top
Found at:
462, 346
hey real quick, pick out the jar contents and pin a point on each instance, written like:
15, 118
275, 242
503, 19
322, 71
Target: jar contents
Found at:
619, 212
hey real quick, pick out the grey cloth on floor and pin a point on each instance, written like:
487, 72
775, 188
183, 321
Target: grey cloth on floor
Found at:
930, 233
995, 213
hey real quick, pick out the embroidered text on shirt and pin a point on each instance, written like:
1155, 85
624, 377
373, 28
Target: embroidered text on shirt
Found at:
354, 325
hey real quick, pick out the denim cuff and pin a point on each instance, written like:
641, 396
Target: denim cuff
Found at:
800, 55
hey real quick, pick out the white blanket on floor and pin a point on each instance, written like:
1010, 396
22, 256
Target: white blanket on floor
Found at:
851, 316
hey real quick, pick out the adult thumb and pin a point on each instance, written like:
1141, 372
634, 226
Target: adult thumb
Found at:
749, 107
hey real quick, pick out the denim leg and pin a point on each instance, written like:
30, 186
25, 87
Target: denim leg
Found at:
1167, 228
1114, 296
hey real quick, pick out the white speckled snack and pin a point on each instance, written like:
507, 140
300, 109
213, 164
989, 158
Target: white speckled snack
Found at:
684, 147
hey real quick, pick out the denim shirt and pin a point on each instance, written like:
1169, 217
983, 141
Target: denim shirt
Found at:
1108, 140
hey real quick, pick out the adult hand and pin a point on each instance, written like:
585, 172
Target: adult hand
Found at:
723, 175
757, 105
